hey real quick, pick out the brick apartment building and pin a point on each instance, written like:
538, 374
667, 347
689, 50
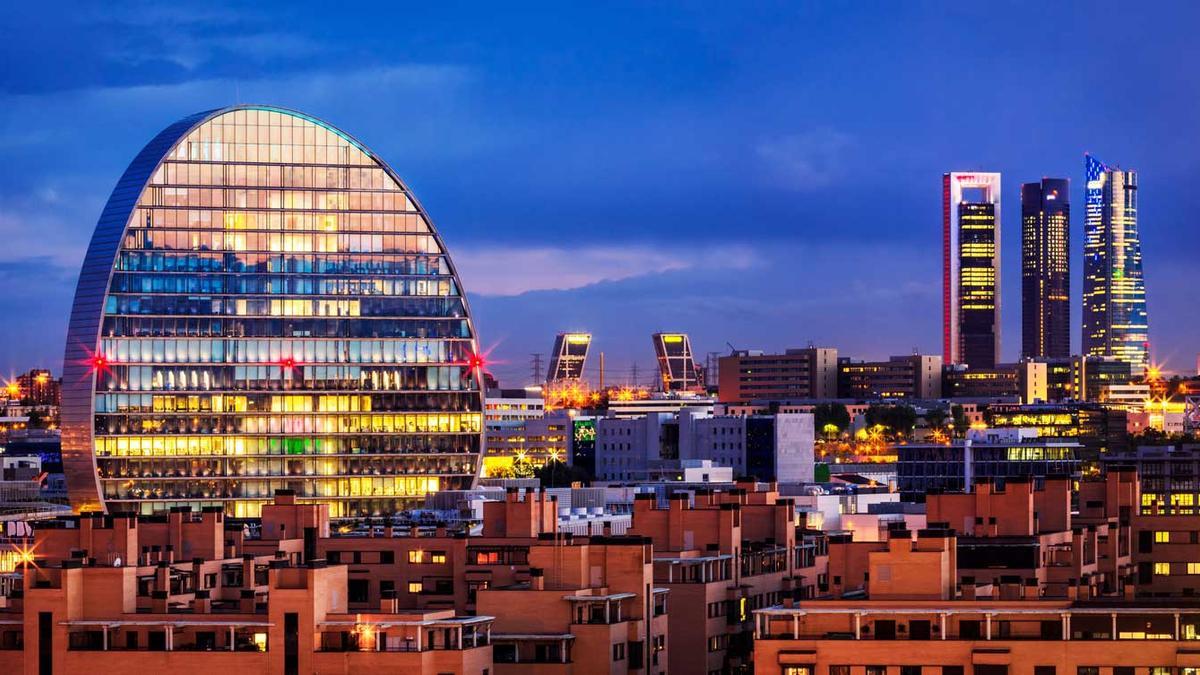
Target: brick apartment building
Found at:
1028, 587
720, 558
195, 592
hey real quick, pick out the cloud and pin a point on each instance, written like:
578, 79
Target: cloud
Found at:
506, 270
869, 302
805, 161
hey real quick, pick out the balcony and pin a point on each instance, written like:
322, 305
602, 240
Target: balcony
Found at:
598, 609
533, 648
141, 636
977, 623
455, 634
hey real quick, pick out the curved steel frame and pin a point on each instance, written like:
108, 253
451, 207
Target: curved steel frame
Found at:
77, 413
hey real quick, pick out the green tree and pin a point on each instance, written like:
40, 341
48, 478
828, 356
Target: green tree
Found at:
831, 413
556, 473
960, 420
935, 418
899, 420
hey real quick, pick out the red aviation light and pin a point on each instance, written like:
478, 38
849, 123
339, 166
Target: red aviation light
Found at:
289, 363
98, 363
476, 361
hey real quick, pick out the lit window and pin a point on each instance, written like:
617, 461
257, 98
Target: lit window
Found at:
1162, 537
1162, 569
438, 558
415, 556
415, 587
1193, 568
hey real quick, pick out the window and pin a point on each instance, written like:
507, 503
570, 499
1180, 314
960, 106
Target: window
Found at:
387, 557
1161, 670
798, 670
1087, 670
1043, 670
1162, 569
359, 590
619, 651
952, 670
415, 557
386, 585
717, 642
839, 670
415, 587
876, 670
910, 670
1162, 537
438, 558
1193, 568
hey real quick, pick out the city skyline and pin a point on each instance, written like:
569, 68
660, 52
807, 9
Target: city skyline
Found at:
814, 260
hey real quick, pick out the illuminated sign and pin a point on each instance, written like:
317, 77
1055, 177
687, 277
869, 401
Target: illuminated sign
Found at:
672, 339
579, 338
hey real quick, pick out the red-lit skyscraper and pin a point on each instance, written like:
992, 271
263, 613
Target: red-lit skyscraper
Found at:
971, 268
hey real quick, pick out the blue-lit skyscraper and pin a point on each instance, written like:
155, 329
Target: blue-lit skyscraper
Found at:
1114, 291
264, 305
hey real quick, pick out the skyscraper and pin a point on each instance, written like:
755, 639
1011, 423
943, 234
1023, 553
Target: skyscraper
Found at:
1114, 292
971, 269
264, 305
1046, 269
570, 356
677, 369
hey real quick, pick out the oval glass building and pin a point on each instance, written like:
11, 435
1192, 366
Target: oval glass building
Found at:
264, 305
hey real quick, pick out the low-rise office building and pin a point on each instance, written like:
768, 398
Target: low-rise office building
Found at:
746, 375
767, 447
916, 376
988, 453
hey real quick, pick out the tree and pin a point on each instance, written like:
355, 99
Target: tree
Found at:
556, 473
960, 420
899, 420
935, 418
836, 414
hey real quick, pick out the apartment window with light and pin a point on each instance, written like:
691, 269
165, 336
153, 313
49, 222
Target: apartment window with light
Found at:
797, 670
415, 587
1162, 569
1162, 537
416, 556
438, 558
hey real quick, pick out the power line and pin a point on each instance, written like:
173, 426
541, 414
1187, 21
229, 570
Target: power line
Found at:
536, 365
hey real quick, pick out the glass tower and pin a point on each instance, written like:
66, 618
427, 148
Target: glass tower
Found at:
677, 369
264, 305
1114, 292
1046, 269
570, 356
971, 269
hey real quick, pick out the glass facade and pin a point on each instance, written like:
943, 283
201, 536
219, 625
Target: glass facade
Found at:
1046, 269
977, 284
971, 269
1114, 292
677, 370
266, 307
570, 356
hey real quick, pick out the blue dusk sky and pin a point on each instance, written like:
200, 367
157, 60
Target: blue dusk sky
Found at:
766, 174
